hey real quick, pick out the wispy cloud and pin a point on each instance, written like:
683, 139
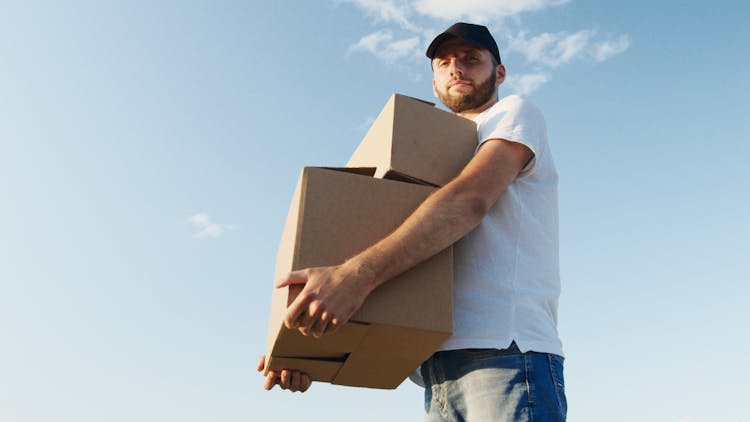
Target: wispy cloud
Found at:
405, 12
407, 26
481, 11
205, 227
387, 11
383, 46
526, 83
555, 49
607, 49
548, 51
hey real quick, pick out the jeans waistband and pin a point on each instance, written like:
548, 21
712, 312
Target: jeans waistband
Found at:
510, 350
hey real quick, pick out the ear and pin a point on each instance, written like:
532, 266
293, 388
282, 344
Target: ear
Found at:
434, 88
500, 71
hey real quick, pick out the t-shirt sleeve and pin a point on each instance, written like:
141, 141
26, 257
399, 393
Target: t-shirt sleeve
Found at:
518, 121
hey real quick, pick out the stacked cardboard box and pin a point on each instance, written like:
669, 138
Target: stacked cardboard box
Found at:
337, 212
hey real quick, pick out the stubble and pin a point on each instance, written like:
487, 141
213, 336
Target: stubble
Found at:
462, 102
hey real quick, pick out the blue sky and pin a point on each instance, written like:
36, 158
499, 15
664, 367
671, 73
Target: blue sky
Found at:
148, 153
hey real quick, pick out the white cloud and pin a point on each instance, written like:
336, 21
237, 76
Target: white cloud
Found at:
553, 50
199, 219
383, 46
526, 83
407, 26
388, 11
480, 11
403, 12
572, 46
372, 41
205, 227
607, 49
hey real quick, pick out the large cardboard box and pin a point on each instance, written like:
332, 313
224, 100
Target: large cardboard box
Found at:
336, 213
411, 139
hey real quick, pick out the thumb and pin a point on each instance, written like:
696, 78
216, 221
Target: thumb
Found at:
294, 277
261, 363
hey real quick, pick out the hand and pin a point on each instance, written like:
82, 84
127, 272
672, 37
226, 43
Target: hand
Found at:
330, 297
287, 379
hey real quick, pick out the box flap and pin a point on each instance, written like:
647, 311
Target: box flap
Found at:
364, 171
291, 343
317, 369
401, 177
387, 356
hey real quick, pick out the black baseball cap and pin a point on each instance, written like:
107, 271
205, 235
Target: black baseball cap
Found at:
476, 34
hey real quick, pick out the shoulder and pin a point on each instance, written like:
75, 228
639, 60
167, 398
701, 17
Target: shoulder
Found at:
519, 104
511, 109
513, 100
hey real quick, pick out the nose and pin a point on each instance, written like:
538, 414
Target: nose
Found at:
455, 68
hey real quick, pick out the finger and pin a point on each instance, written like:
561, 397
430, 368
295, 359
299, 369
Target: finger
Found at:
333, 326
336, 324
308, 319
294, 277
297, 313
295, 383
321, 325
286, 377
293, 313
261, 363
305, 381
271, 380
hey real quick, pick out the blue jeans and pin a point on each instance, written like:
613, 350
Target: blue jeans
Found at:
491, 385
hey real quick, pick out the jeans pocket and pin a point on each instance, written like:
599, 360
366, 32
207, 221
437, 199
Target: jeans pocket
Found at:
556, 369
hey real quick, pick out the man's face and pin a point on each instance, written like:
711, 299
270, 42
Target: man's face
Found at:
465, 77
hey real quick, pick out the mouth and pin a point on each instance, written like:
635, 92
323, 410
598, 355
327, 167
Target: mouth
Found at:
459, 83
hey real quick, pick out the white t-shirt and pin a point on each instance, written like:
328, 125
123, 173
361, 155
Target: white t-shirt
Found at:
507, 280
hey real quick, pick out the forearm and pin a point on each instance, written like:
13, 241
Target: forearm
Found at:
442, 219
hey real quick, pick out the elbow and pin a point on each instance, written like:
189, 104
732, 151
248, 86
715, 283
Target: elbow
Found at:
476, 207
468, 207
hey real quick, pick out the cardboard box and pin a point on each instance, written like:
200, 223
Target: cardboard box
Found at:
413, 140
336, 213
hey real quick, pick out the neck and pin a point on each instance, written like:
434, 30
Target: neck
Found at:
474, 112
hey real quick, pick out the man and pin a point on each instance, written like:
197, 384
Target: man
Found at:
504, 360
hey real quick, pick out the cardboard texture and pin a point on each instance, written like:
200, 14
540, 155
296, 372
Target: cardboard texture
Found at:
414, 141
336, 213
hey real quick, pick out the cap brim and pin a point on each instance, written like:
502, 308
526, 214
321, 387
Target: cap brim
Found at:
435, 44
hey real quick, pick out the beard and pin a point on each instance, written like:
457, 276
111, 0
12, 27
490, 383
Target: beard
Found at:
462, 102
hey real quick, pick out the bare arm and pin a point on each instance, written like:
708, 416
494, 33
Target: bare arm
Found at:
447, 215
332, 294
